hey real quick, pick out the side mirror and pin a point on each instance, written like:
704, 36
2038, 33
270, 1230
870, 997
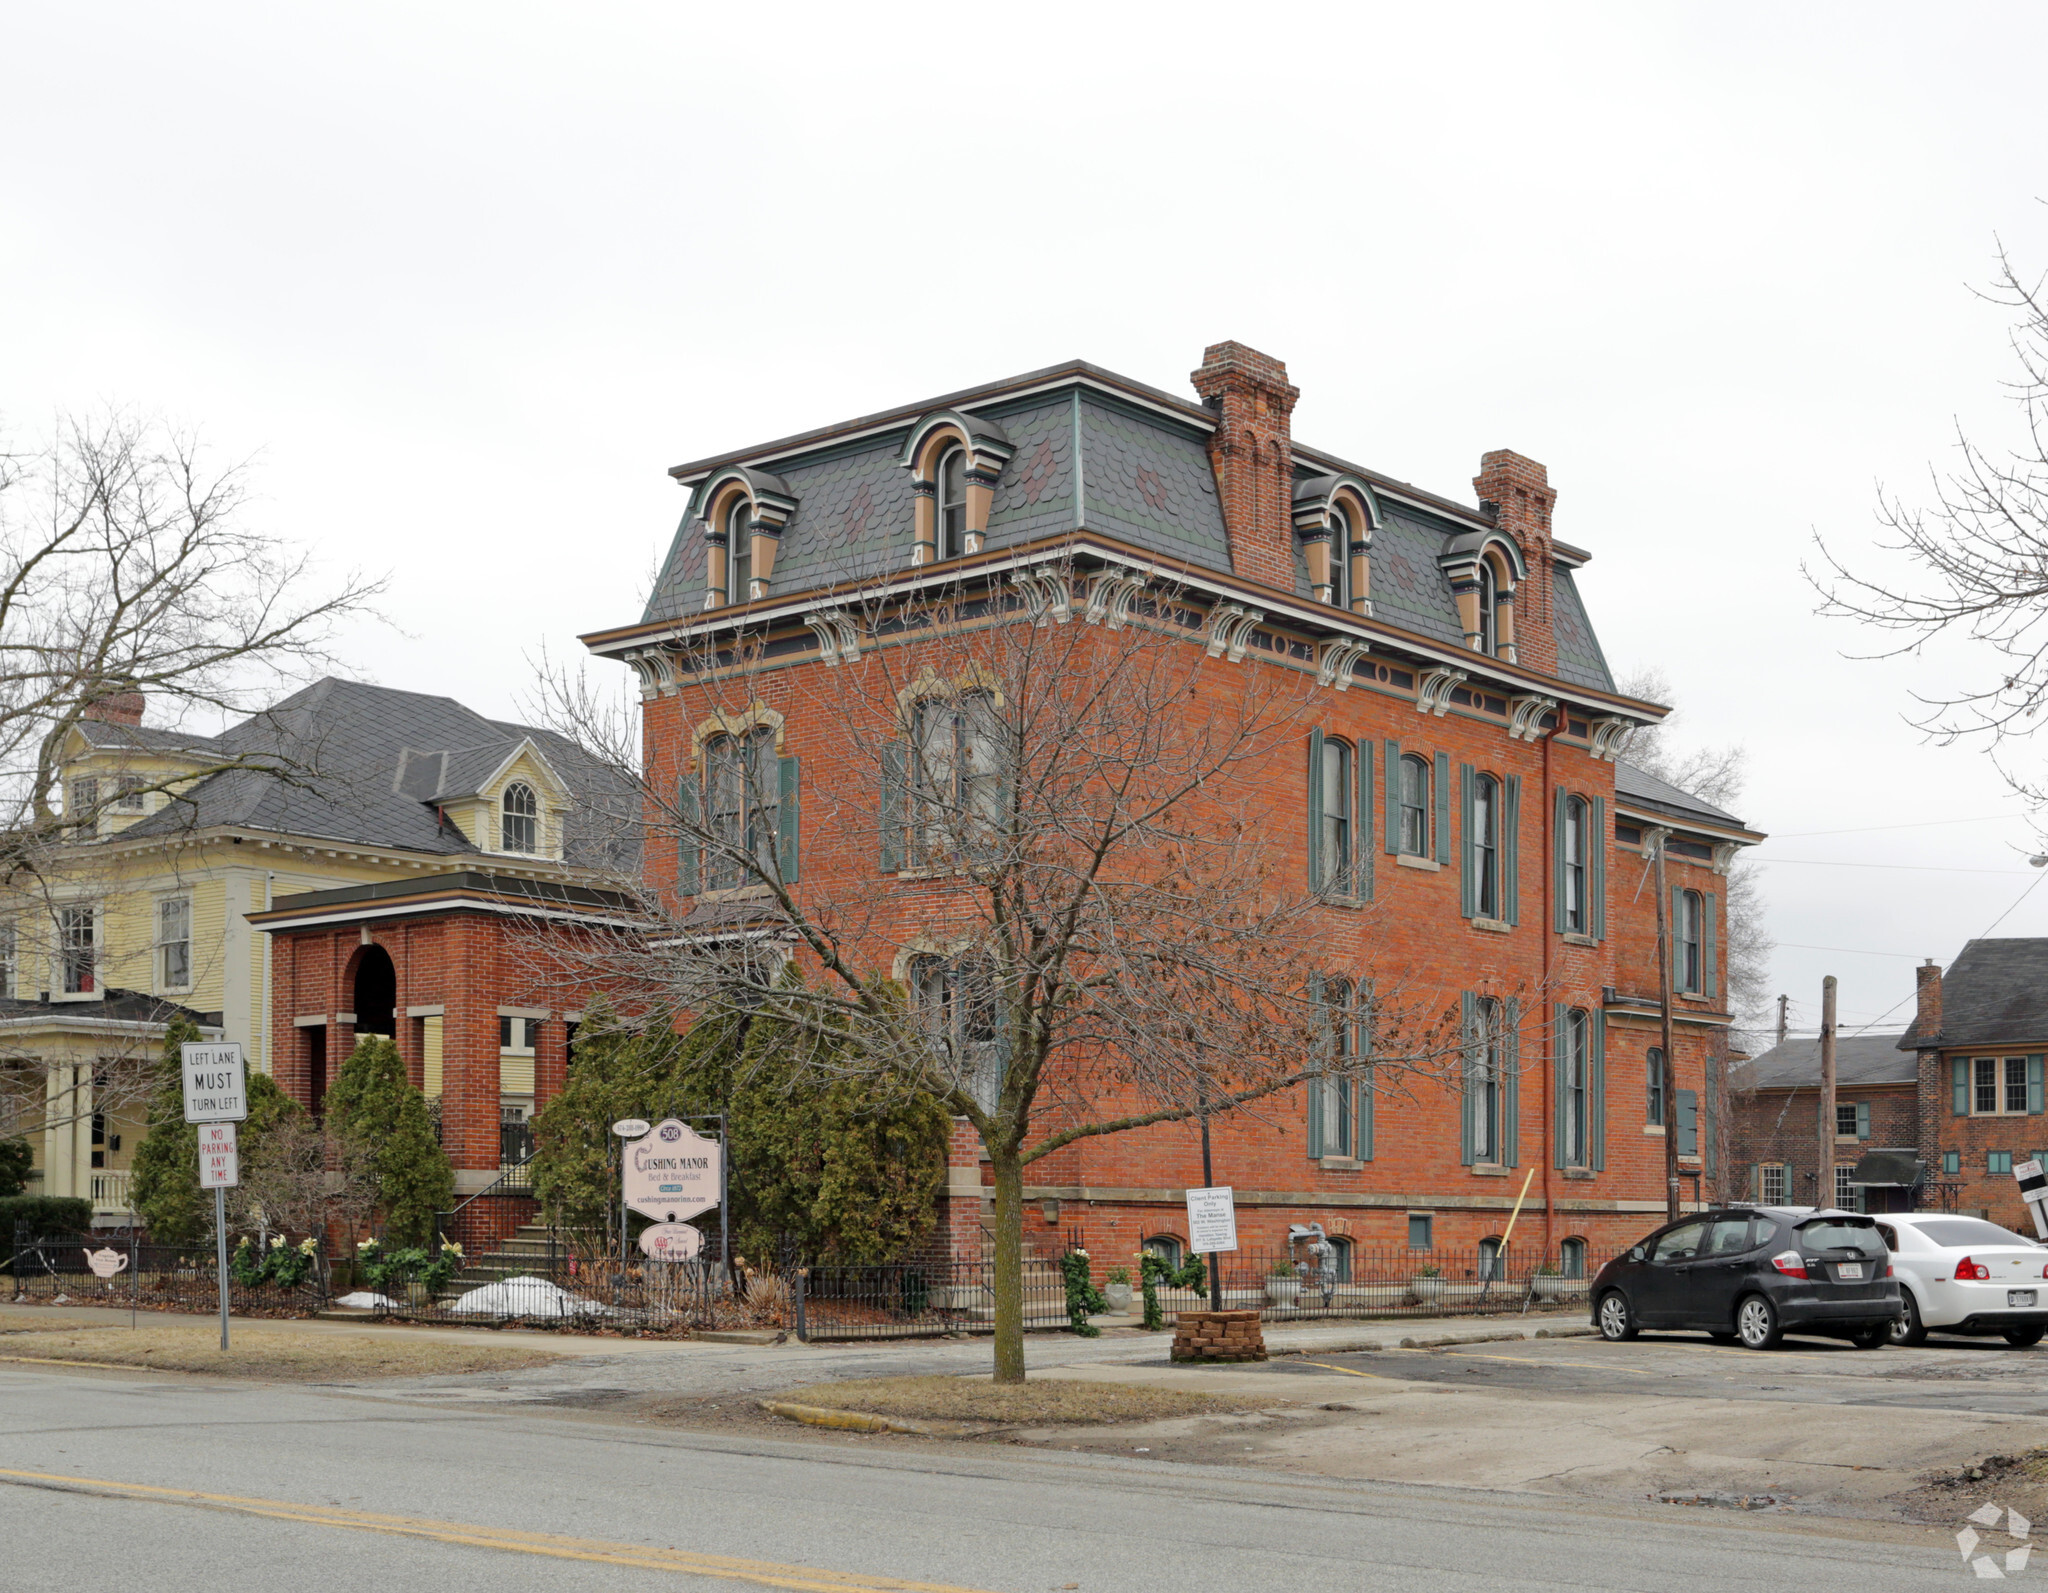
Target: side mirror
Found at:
1636, 1254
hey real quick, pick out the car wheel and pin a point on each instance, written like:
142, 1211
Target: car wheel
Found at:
1617, 1321
1756, 1323
1907, 1328
1875, 1337
2023, 1338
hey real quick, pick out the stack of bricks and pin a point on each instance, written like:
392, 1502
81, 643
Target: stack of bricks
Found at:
1219, 1336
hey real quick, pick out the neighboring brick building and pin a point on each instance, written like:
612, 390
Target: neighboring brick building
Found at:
1978, 1038
1774, 1126
1465, 718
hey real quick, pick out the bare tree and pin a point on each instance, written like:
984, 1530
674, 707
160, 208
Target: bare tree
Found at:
300, 1177
1090, 925
128, 565
1975, 558
1715, 774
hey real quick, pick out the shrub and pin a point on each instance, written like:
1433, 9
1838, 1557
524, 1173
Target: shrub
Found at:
1082, 1295
43, 1214
16, 1158
375, 1105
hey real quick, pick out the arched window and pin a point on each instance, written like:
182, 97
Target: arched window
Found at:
1485, 844
1574, 1080
1571, 1258
1331, 1118
1486, 1087
1489, 595
1686, 937
519, 826
1340, 558
1489, 1258
1342, 1246
742, 795
1166, 1247
958, 778
739, 550
1572, 849
1333, 857
1653, 1068
952, 518
1414, 805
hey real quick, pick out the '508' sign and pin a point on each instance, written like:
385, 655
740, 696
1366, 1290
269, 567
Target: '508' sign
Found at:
673, 1172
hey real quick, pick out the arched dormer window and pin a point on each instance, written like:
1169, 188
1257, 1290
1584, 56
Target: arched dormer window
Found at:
952, 503
739, 549
519, 822
1340, 558
1335, 518
1484, 570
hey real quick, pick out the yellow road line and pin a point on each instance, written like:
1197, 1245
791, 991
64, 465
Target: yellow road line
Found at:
1348, 1371
762, 1573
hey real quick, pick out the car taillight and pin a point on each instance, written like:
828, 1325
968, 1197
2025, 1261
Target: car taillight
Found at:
1966, 1269
1889, 1273
1790, 1263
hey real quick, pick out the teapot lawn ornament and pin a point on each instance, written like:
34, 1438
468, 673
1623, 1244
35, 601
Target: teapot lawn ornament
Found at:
107, 1263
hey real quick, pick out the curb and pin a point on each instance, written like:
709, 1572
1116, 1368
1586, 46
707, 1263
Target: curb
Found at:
858, 1421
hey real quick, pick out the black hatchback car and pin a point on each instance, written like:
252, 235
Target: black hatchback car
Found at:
1753, 1274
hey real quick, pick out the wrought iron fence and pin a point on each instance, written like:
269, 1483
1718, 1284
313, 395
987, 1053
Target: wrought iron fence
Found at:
56, 1269
916, 1299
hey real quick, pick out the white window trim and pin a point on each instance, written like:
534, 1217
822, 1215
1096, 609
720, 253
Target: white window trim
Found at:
158, 943
2002, 1110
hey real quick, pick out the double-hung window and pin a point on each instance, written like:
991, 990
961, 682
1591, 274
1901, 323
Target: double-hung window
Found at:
1654, 1086
742, 794
1340, 558
1485, 844
1687, 938
78, 949
1332, 1120
1485, 1085
958, 777
519, 824
1415, 776
739, 550
1997, 1086
1571, 841
1574, 1080
1333, 857
1770, 1184
174, 943
129, 792
952, 504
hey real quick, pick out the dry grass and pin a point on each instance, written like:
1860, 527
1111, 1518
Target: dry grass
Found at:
1041, 1401
270, 1355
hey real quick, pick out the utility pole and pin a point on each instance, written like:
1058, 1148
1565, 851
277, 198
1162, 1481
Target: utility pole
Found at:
1824, 1195
1664, 982
1784, 1023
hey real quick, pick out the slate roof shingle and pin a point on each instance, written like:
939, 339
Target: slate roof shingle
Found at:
1995, 994
1795, 1064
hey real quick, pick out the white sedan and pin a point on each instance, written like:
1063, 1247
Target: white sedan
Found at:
1965, 1275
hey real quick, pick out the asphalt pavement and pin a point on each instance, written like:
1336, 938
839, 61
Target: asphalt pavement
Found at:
111, 1481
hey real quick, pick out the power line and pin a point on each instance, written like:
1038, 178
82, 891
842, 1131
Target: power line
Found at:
1869, 829
1916, 868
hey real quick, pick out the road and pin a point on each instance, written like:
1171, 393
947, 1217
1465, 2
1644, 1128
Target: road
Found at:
270, 1487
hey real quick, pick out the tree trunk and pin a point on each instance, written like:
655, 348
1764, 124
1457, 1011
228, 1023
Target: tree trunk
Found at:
1009, 1265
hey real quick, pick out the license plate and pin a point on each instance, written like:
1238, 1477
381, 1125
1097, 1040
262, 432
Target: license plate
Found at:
2019, 1296
1849, 1271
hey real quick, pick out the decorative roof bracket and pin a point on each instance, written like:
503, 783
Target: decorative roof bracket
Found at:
1433, 696
1527, 715
1334, 668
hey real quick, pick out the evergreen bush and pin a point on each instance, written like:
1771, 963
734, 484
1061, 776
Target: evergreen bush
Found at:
16, 1158
375, 1105
43, 1215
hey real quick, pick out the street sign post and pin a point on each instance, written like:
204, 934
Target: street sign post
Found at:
216, 1080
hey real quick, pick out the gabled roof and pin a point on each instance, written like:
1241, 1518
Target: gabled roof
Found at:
1640, 788
1095, 451
1860, 1059
1996, 994
366, 765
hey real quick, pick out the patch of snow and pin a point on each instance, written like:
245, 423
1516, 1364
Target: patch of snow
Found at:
526, 1296
363, 1300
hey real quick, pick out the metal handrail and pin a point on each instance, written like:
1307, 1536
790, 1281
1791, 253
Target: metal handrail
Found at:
443, 1218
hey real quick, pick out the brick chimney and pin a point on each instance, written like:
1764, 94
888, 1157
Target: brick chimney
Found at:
1252, 454
1516, 493
118, 708
1927, 988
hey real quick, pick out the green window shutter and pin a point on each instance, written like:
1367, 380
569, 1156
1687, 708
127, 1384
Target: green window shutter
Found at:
1392, 841
1443, 808
1688, 1123
787, 825
1511, 850
1557, 815
1365, 1114
1317, 1066
1596, 870
1511, 1085
1863, 1119
1468, 882
2034, 1086
1596, 1088
1361, 835
689, 854
1709, 974
1560, 1129
1959, 1076
1677, 962
1315, 810
895, 762
1468, 1009
1711, 1163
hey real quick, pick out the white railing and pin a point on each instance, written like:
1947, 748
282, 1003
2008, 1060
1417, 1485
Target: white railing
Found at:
110, 1192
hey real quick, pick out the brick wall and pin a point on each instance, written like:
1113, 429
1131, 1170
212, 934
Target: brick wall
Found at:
1784, 1126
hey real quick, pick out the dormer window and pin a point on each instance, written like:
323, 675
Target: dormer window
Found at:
952, 516
1340, 558
739, 550
519, 829
1489, 604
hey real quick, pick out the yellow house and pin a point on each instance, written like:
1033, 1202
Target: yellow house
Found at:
180, 837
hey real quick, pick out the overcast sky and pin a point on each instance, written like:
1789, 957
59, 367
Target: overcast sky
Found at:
464, 280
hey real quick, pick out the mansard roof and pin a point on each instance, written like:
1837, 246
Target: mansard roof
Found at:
1092, 451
